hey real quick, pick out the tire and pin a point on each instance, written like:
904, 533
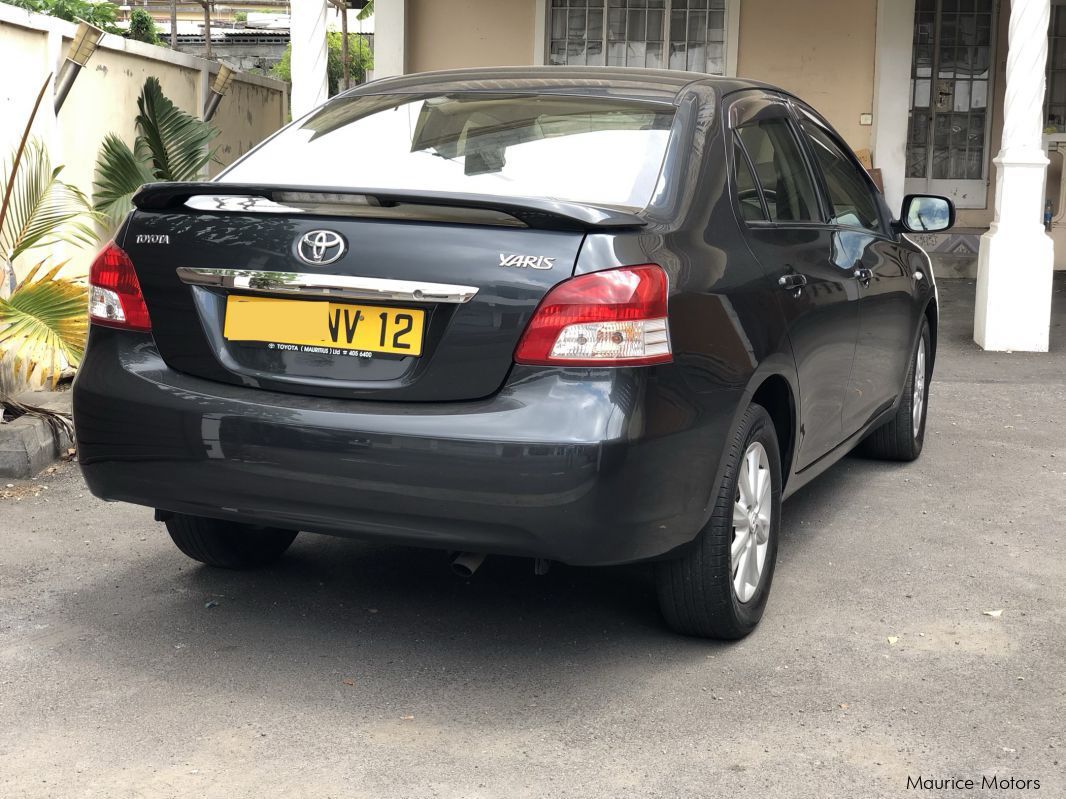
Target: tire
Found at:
902, 437
697, 591
228, 545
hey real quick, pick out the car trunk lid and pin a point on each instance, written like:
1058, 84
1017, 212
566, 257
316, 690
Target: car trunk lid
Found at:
340, 292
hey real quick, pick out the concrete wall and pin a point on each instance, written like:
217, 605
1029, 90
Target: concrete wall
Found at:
824, 52
239, 54
802, 49
24, 61
104, 100
248, 114
469, 33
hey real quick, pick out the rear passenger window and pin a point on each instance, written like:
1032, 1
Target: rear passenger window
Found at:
780, 170
853, 200
751, 209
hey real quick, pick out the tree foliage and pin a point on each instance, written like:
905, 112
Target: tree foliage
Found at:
361, 60
101, 14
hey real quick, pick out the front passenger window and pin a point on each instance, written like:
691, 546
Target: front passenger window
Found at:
780, 170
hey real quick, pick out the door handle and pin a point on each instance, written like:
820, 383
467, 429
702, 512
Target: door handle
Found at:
863, 275
792, 281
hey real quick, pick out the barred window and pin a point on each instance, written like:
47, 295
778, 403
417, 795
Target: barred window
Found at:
659, 34
1055, 97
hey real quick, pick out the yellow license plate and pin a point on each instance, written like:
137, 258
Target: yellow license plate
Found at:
303, 324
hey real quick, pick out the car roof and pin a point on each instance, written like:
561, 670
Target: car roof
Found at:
662, 85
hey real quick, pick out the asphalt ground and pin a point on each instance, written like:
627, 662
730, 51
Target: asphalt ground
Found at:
351, 670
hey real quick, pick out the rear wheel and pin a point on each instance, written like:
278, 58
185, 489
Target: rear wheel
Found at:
228, 545
902, 437
718, 589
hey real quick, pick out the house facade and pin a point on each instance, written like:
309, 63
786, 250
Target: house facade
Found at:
920, 85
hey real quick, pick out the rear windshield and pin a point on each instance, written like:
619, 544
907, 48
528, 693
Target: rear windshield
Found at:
602, 151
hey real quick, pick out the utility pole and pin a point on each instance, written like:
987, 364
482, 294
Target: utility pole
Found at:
346, 58
207, 28
173, 24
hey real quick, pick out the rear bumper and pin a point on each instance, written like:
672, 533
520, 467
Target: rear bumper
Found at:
557, 465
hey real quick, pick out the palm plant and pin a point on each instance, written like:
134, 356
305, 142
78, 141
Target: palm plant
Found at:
39, 210
43, 324
170, 145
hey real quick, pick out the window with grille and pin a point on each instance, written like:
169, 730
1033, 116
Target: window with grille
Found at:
950, 89
1056, 70
666, 34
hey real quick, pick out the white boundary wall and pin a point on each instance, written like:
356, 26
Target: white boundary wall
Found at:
104, 100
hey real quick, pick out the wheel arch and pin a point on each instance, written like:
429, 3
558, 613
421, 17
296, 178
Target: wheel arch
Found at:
932, 315
775, 394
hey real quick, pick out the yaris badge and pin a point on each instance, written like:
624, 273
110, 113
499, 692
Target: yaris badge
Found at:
320, 247
526, 261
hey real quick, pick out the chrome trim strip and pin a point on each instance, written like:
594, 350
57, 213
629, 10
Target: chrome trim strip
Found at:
343, 286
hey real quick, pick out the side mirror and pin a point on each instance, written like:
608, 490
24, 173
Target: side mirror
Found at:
926, 213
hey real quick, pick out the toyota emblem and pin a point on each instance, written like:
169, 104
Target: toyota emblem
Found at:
320, 247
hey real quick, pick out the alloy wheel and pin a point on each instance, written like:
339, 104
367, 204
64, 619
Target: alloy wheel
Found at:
918, 402
752, 510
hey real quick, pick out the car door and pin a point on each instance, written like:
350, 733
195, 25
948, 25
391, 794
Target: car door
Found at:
785, 226
864, 246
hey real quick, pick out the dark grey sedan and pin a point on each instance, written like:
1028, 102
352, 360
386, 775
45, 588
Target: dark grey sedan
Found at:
593, 316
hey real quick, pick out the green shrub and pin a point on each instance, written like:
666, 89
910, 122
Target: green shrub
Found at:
361, 60
102, 15
142, 27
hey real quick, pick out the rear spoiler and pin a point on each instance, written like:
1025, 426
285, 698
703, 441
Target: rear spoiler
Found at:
531, 212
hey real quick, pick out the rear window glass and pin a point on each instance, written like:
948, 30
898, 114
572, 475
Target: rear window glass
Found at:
583, 149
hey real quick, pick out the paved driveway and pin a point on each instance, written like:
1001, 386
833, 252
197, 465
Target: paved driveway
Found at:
360, 671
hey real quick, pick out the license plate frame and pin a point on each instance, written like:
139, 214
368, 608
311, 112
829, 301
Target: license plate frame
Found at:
324, 325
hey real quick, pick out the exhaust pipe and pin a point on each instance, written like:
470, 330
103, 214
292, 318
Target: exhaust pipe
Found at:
466, 563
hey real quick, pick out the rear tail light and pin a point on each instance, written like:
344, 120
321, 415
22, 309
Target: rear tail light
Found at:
616, 317
115, 298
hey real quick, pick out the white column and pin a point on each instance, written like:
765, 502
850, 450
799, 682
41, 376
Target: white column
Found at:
307, 31
732, 37
892, 81
540, 33
390, 38
1016, 260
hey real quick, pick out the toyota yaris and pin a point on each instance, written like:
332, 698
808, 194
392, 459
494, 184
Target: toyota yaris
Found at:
593, 316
